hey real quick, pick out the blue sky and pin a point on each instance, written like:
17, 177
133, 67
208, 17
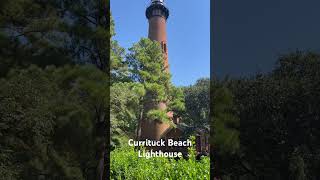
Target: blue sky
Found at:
188, 30
250, 35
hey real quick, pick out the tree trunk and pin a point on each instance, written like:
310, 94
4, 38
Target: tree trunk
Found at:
139, 125
100, 166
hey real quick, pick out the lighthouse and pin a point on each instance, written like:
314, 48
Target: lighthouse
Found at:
157, 14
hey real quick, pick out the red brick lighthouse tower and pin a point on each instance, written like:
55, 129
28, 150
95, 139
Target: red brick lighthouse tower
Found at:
157, 14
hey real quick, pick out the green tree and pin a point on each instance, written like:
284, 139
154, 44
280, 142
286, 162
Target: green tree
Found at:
125, 111
54, 33
48, 122
297, 167
58, 33
119, 66
197, 103
225, 131
29, 35
225, 122
147, 68
278, 114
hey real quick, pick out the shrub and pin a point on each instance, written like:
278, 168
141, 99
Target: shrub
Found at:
125, 164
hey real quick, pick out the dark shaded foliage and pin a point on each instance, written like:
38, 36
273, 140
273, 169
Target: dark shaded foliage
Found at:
279, 121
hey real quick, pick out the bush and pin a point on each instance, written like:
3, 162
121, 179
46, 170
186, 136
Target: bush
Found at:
125, 164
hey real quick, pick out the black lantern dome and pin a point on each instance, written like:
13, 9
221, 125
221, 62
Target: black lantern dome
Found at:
157, 8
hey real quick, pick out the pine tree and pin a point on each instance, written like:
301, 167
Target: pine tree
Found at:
146, 67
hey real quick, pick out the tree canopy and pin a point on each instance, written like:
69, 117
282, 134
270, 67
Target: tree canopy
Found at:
44, 114
48, 120
279, 121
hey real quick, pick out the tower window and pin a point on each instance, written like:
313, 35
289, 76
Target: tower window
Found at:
164, 47
156, 12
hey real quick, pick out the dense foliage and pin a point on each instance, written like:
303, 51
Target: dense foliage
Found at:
146, 82
125, 164
279, 122
47, 122
53, 119
140, 83
54, 32
125, 111
147, 68
197, 101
